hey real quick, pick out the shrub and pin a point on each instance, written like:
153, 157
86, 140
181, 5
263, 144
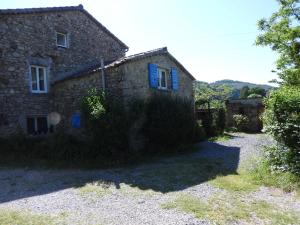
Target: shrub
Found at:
240, 122
107, 126
169, 121
282, 121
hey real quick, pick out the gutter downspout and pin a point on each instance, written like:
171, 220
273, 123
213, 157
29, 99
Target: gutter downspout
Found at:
102, 74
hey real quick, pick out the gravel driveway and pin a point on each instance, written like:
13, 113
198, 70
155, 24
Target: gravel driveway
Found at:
130, 196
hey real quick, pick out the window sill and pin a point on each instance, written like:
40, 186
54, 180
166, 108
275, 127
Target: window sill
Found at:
61, 47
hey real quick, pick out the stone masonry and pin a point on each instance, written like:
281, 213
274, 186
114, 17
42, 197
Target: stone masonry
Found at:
28, 37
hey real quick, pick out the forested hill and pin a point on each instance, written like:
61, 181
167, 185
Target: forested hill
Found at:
239, 84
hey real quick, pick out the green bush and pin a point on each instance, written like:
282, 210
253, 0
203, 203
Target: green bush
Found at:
282, 121
107, 126
240, 122
170, 121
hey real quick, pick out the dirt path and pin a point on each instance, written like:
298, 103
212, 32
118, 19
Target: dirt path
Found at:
142, 195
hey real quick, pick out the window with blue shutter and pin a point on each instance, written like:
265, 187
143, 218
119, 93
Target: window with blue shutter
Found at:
174, 78
153, 75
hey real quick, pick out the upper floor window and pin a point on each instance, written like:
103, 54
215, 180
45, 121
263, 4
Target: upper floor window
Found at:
61, 39
162, 78
38, 79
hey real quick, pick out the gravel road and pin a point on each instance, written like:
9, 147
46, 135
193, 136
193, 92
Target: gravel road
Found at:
130, 196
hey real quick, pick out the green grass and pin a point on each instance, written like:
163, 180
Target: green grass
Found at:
256, 174
98, 188
261, 175
227, 209
10, 217
234, 183
222, 137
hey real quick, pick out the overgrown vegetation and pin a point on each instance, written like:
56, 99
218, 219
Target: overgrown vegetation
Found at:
282, 118
240, 122
261, 174
169, 122
228, 208
164, 123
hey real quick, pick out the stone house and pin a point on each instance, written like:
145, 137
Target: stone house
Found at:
252, 108
51, 57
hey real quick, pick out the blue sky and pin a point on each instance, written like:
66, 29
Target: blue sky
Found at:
213, 39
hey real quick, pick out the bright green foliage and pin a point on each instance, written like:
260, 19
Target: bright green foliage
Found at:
257, 90
93, 104
281, 32
262, 174
211, 96
282, 120
240, 122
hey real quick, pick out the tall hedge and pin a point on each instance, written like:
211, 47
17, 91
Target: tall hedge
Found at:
170, 121
282, 120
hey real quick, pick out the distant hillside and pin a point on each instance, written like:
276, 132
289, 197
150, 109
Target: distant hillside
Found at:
235, 84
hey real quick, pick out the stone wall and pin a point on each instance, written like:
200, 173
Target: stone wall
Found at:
252, 108
134, 79
67, 97
31, 39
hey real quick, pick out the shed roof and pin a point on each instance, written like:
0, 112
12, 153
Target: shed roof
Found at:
126, 59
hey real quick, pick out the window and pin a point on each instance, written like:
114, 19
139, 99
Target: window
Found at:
37, 125
162, 78
61, 39
38, 79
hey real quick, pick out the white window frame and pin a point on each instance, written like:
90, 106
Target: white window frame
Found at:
35, 122
38, 79
160, 70
65, 38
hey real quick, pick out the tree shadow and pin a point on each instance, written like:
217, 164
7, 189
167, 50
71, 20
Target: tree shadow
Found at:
164, 175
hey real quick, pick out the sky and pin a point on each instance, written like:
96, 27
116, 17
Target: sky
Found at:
213, 39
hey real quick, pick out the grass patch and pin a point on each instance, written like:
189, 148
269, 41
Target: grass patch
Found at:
10, 217
222, 137
262, 175
256, 174
226, 209
239, 182
98, 188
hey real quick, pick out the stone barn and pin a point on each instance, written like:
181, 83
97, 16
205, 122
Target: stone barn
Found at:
252, 108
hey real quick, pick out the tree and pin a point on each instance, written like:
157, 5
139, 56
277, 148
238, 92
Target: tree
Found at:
282, 33
208, 95
281, 118
257, 91
244, 92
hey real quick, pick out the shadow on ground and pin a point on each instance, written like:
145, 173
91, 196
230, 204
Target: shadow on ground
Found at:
165, 175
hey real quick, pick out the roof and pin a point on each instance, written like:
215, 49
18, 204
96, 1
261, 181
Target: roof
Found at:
61, 9
126, 59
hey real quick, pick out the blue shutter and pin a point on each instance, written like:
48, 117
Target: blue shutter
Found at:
153, 75
76, 120
174, 77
